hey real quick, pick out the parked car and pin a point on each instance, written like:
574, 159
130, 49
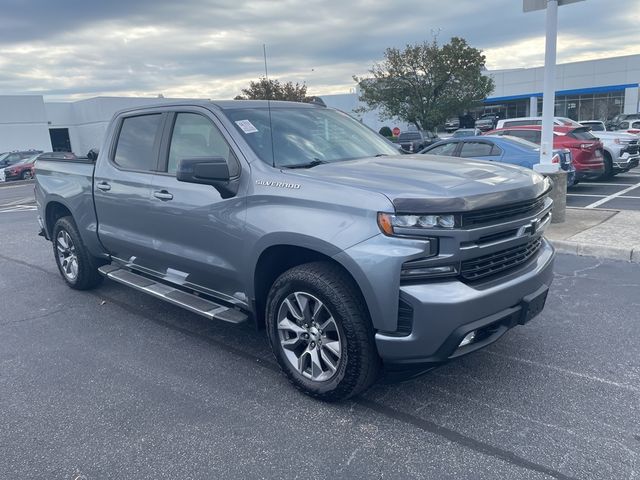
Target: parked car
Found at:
503, 149
594, 125
523, 121
629, 126
487, 121
452, 125
586, 150
11, 158
614, 124
466, 132
620, 148
353, 256
22, 170
414, 141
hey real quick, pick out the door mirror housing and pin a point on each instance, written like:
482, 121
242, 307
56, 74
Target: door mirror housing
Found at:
92, 154
212, 171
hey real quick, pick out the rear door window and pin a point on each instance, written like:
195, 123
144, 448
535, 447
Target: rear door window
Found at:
136, 143
476, 149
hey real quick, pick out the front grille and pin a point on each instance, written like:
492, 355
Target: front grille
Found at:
632, 148
499, 262
494, 215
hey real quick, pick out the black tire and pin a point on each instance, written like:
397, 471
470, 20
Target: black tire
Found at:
608, 167
359, 365
87, 276
26, 175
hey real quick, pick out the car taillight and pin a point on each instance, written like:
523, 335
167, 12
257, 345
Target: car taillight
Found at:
634, 131
555, 159
586, 146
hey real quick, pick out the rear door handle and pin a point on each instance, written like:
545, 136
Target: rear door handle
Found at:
163, 195
104, 186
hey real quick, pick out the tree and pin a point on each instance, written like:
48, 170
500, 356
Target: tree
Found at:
265, 89
426, 83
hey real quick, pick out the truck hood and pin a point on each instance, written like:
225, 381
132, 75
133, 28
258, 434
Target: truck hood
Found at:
431, 183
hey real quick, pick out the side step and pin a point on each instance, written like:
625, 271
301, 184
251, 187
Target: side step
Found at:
188, 301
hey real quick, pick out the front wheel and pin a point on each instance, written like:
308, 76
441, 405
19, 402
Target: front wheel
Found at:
27, 175
320, 332
76, 264
608, 167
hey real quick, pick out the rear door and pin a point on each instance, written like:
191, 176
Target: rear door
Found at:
198, 235
122, 188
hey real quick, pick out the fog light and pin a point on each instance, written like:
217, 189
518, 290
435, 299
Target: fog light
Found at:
468, 339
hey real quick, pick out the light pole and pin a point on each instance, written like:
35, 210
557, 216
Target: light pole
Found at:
546, 166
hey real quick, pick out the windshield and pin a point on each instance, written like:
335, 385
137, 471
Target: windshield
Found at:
307, 136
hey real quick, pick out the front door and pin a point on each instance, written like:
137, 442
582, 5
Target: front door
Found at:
122, 188
199, 236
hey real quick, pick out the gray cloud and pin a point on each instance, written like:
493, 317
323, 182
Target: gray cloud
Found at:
73, 48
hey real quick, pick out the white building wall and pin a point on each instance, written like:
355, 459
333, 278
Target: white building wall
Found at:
572, 76
631, 101
23, 123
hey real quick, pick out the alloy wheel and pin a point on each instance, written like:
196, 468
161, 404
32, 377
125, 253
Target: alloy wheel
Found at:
67, 257
309, 336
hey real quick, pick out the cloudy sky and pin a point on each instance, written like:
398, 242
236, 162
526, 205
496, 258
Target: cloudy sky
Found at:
66, 49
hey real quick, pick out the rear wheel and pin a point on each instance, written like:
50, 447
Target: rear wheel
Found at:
77, 266
320, 332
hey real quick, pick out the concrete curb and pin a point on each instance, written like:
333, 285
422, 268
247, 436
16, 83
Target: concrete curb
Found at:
15, 183
600, 251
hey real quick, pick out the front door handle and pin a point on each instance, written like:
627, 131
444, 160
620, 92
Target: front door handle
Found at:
104, 186
163, 195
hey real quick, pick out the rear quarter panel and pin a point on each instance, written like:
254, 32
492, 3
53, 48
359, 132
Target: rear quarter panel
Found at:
69, 183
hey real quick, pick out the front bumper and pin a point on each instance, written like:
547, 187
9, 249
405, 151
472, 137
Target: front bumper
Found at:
589, 173
445, 312
625, 163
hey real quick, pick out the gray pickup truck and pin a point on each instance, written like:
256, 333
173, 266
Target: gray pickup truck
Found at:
357, 260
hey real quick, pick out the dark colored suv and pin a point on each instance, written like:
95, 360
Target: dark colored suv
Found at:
417, 140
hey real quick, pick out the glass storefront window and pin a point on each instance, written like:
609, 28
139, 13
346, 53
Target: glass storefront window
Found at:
601, 106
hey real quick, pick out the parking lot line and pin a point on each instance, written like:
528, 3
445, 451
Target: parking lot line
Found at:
612, 196
605, 184
584, 195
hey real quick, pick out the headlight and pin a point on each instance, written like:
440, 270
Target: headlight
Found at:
389, 223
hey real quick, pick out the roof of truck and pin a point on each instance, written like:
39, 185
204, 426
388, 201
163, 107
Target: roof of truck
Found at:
223, 105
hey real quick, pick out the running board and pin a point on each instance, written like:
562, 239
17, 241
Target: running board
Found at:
188, 301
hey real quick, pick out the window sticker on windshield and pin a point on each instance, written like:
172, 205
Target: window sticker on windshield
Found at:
246, 126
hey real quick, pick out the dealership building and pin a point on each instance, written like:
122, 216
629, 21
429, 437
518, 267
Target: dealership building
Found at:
595, 89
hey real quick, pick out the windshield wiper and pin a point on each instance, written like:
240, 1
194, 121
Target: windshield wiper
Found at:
314, 163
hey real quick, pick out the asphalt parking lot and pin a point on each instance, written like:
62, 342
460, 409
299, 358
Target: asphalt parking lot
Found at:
115, 384
621, 192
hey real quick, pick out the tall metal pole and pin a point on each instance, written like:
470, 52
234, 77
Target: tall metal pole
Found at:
549, 93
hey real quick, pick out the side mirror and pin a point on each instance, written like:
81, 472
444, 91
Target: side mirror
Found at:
212, 171
93, 154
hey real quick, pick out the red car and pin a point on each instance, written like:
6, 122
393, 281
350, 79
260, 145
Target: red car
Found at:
586, 150
22, 170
